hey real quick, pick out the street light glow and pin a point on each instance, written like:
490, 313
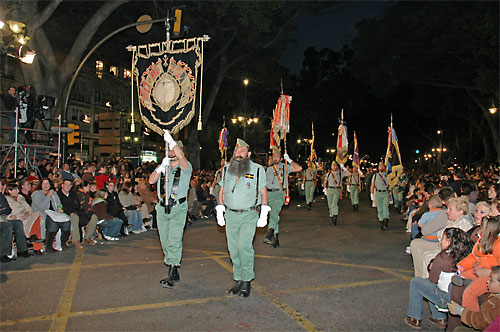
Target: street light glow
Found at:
245, 81
439, 132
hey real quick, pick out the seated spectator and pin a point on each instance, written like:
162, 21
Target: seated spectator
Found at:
110, 225
115, 208
487, 318
477, 265
71, 206
46, 199
150, 199
482, 210
141, 206
434, 206
455, 245
101, 177
6, 229
33, 222
25, 190
126, 198
83, 194
66, 172
494, 191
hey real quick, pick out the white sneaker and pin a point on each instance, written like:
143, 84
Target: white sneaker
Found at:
110, 238
137, 232
408, 250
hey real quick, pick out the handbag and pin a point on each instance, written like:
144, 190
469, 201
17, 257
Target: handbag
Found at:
56, 216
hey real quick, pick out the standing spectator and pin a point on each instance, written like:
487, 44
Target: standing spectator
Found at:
11, 105
101, 177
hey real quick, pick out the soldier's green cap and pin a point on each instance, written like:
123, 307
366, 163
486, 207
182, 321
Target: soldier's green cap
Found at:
275, 150
179, 144
241, 143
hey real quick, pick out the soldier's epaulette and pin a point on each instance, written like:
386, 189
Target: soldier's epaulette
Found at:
249, 176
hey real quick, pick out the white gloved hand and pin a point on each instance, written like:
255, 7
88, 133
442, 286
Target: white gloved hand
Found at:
220, 214
211, 191
372, 197
287, 158
302, 186
343, 167
162, 168
264, 210
324, 191
168, 138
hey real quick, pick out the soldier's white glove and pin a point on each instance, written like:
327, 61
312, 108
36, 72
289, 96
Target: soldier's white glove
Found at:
343, 168
220, 214
162, 168
287, 158
168, 138
324, 191
211, 191
302, 186
264, 210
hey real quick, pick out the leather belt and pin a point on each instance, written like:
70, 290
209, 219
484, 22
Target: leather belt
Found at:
273, 190
381, 191
173, 203
334, 187
244, 210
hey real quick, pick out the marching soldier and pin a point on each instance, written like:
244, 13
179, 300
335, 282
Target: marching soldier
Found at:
243, 191
171, 217
354, 183
309, 183
381, 190
276, 189
332, 186
397, 191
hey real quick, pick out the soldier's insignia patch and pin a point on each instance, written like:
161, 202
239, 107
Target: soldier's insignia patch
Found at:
249, 176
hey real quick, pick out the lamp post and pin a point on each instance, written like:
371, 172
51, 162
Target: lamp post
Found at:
245, 121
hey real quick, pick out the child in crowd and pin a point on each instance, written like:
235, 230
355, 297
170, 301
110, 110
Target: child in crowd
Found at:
110, 225
455, 245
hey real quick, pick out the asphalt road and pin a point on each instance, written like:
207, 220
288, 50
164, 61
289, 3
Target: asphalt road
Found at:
352, 277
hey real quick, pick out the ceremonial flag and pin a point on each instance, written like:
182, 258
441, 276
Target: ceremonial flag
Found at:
223, 141
393, 158
355, 156
168, 79
313, 152
342, 142
281, 120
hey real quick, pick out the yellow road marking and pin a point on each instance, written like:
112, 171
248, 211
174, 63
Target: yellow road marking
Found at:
64, 307
120, 309
285, 308
94, 266
344, 285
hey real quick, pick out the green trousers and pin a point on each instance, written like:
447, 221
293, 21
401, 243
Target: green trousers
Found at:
382, 199
309, 189
240, 230
397, 196
354, 194
171, 230
276, 201
332, 196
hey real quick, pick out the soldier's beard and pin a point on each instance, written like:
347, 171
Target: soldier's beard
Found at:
239, 166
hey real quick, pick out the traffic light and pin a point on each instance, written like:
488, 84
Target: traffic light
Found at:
73, 137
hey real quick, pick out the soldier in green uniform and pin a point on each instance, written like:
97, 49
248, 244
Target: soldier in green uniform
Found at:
276, 189
332, 185
215, 187
380, 187
309, 183
397, 191
171, 209
354, 183
243, 191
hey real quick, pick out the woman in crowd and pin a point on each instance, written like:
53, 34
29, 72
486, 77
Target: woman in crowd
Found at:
477, 265
455, 245
133, 215
110, 225
33, 222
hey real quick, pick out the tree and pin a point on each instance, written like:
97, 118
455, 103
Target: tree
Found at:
445, 45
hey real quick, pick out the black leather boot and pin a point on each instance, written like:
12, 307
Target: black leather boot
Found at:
245, 289
168, 281
236, 288
354, 207
381, 224
269, 236
175, 273
334, 220
308, 206
357, 207
49, 241
385, 224
276, 242
64, 239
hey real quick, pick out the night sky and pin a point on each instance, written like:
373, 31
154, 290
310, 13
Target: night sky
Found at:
332, 30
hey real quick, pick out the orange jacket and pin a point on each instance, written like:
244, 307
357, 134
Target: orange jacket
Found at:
484, 260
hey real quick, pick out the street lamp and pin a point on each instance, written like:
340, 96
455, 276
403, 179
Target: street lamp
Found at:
245, 121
